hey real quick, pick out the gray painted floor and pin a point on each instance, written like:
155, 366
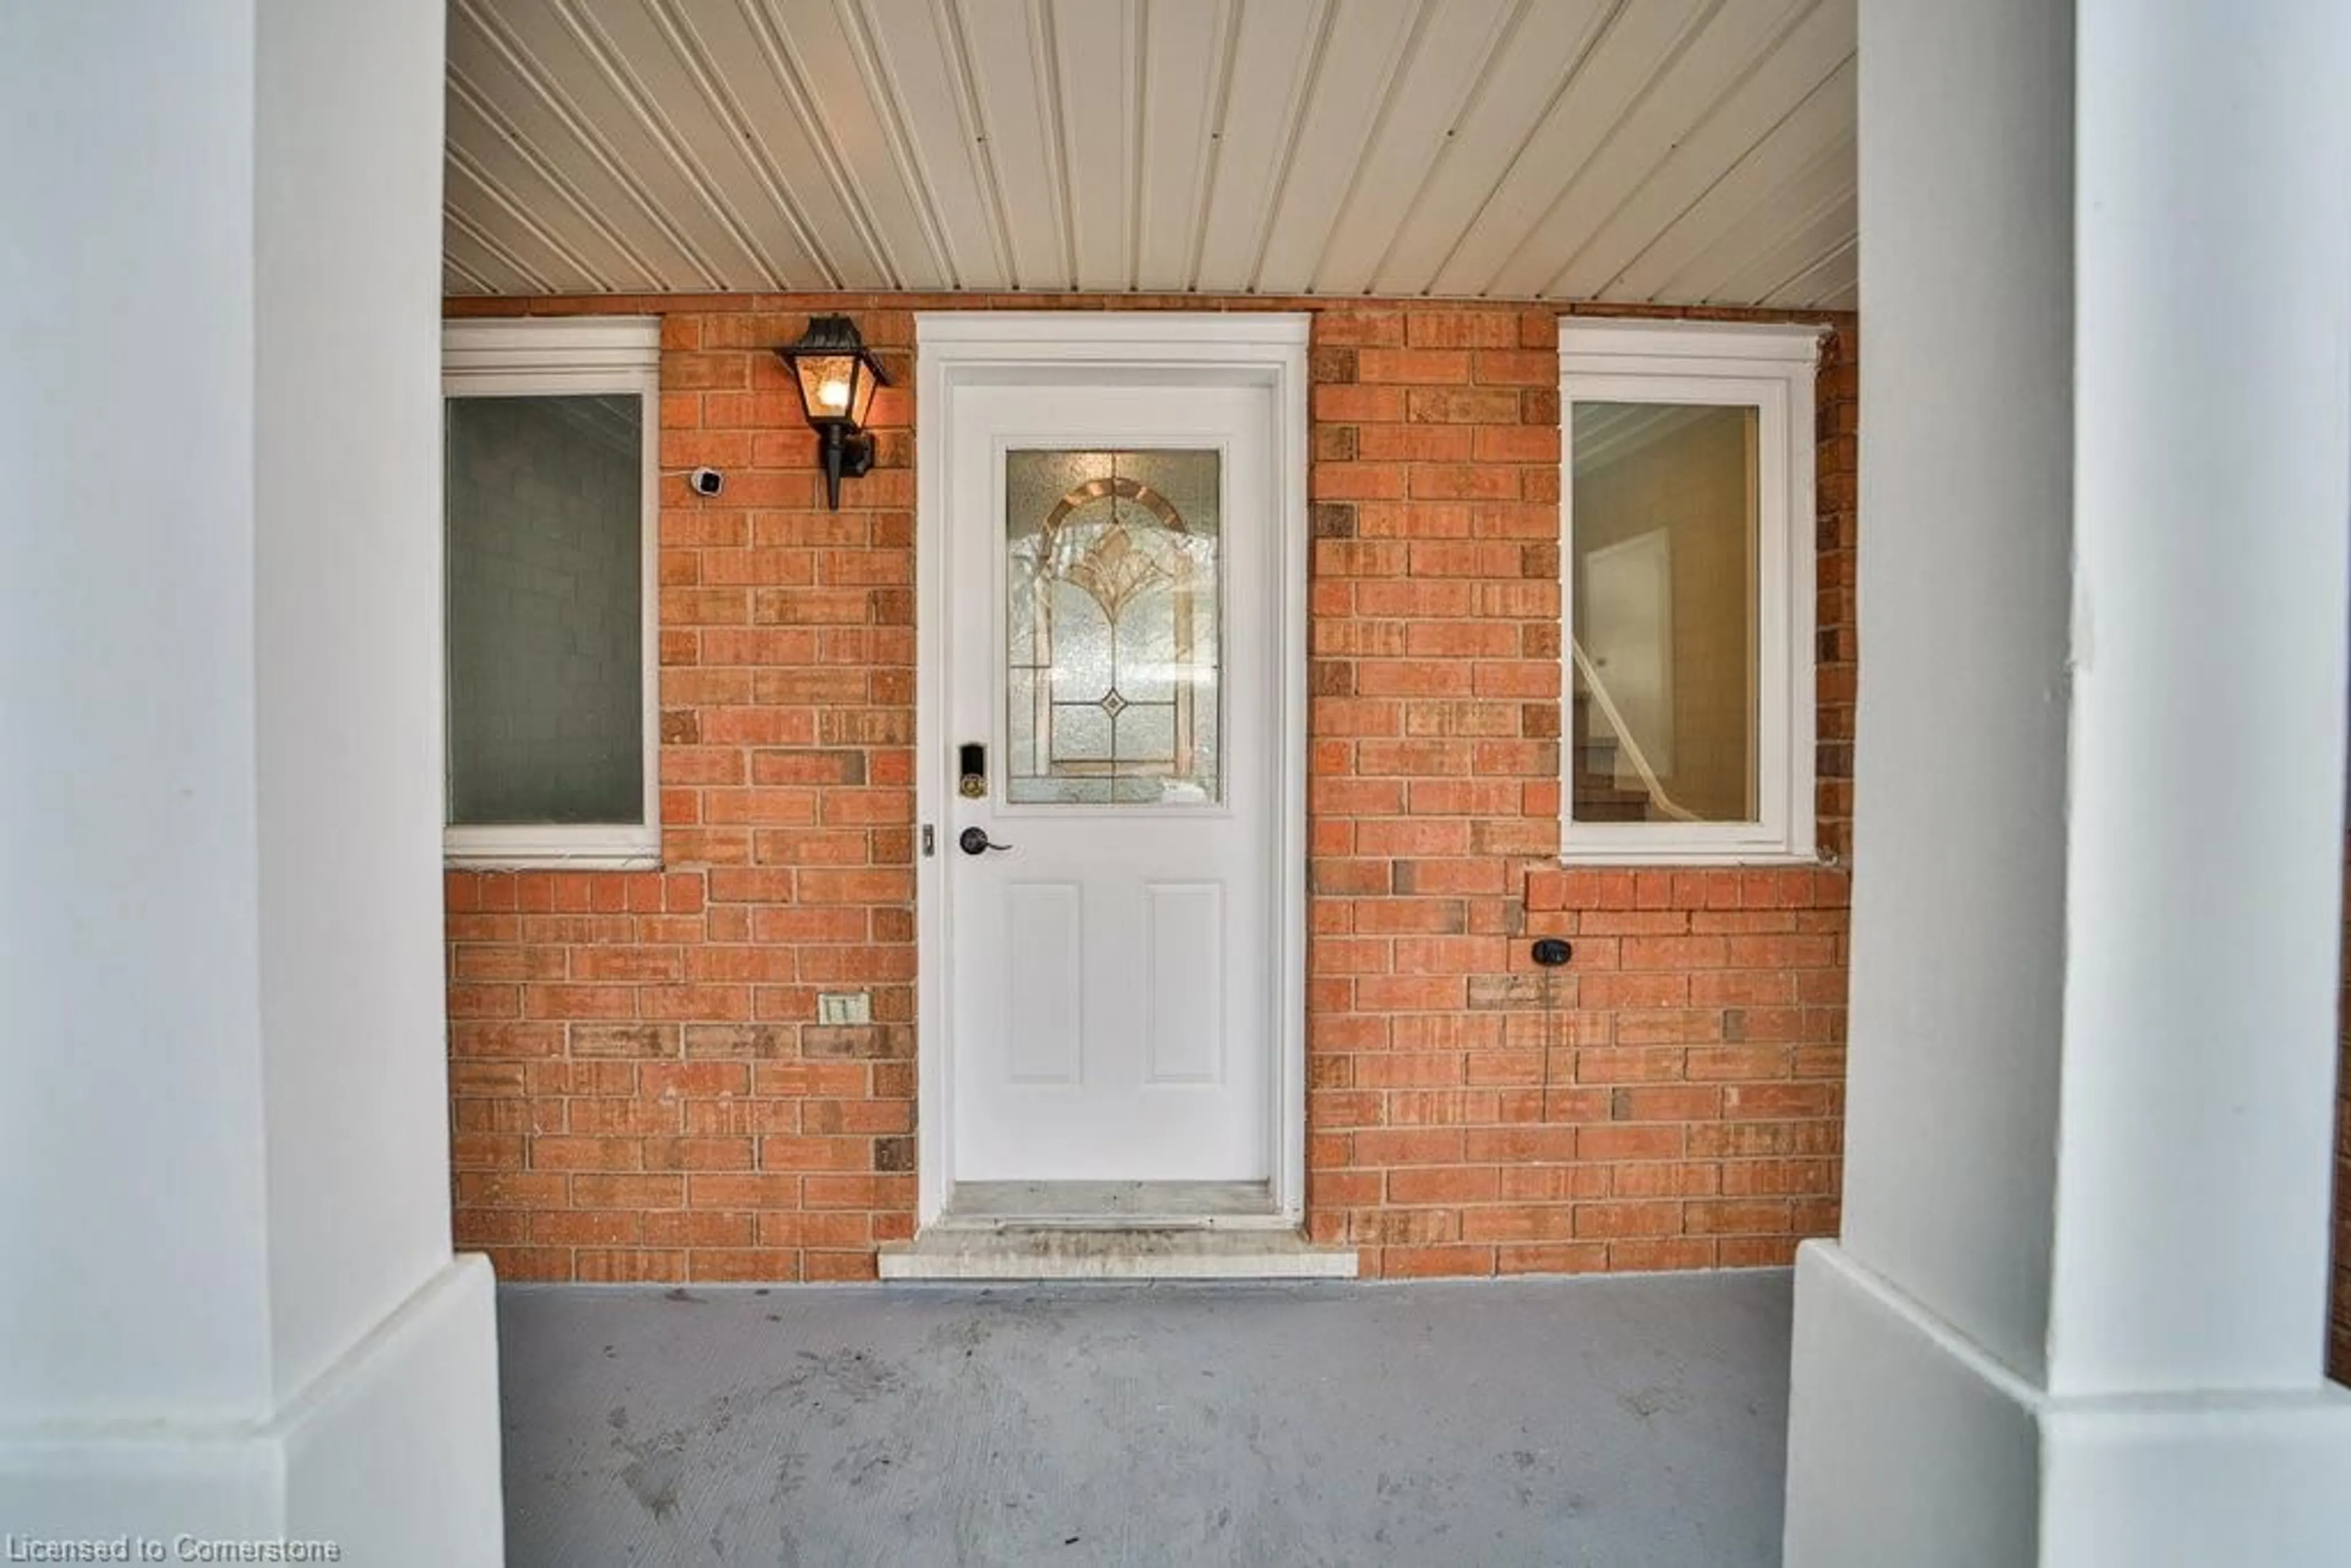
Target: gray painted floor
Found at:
1620, 1423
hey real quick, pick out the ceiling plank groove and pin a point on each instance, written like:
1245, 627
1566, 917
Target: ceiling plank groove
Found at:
1212, 134
1354, 92
675, 125
1837, 270
1796, 64
542, 94
925, 70
829, 82
1322, 94
1178, 50
1784, 173
1062, 171
798, 209
576, 272
1634, 48
1455, 45
480, 130
457, 278
1000, 40
1807, 230
1665, 151
1052, 118
486, 247
1279, 52
1094, 88
1512, 101
790, 82
1138, 72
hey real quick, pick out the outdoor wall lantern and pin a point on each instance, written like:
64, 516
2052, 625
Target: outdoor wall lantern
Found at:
837, 379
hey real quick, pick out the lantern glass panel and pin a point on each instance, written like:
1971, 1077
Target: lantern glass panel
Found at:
862, 387
828, 385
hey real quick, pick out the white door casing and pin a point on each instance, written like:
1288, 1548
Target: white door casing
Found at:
1119, 995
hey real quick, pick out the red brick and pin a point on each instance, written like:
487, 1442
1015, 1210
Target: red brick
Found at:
1429, 327
1408, 1146
1609, 1221
1551, 1257
1359, 404
1424, 366
1467, 1116
1354, 326
1652, 1254
1414, 1262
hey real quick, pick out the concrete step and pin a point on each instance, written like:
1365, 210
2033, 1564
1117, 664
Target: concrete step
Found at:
1060, 1253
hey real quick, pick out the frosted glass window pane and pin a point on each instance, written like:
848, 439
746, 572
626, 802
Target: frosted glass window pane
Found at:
1146, 731
1110, 627
1665, 519
545, 610
1082, 734
1081, 632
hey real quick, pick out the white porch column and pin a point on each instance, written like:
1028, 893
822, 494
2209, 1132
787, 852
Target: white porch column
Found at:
2077, 1312
228, 1302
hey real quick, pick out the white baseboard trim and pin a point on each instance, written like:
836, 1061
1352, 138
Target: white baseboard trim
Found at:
392, 1452
1909, 1442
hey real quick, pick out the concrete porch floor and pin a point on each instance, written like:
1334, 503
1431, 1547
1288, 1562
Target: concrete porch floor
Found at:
1623, 1423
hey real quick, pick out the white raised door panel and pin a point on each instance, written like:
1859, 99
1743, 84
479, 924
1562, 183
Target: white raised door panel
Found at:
1184, 969
1043, 994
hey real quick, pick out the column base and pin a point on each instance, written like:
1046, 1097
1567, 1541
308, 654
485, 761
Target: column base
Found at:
1908, 1444
391, 1453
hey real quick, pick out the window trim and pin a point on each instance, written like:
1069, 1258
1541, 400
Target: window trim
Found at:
1772, 369
573, 357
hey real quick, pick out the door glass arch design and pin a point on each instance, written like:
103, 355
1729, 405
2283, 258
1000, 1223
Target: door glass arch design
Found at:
1113, 628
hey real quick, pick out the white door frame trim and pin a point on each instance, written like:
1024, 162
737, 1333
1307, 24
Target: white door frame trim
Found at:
955, 350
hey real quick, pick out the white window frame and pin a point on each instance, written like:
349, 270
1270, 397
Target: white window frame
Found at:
1772, 370
577, 356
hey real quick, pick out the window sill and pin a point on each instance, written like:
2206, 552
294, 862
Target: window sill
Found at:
1667, 859
632, 848
1656, 844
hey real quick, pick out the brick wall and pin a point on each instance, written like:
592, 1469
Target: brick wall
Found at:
641, 1089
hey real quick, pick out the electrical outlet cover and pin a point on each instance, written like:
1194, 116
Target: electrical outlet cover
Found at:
843, 1008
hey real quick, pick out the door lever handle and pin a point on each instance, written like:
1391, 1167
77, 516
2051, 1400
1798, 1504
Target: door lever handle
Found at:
976, 842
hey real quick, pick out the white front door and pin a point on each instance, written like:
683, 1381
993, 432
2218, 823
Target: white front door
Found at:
1112, 707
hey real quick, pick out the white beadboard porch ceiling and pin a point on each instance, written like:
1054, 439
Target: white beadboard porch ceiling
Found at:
1675, 152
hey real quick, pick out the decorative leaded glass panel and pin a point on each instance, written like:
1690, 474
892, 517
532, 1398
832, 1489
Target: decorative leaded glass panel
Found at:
1113, 628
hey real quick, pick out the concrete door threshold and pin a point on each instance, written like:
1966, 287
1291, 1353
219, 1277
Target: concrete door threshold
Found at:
1109, 1205
1059, 1253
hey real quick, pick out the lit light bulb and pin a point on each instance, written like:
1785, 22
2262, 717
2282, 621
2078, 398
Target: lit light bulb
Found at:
833, 395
